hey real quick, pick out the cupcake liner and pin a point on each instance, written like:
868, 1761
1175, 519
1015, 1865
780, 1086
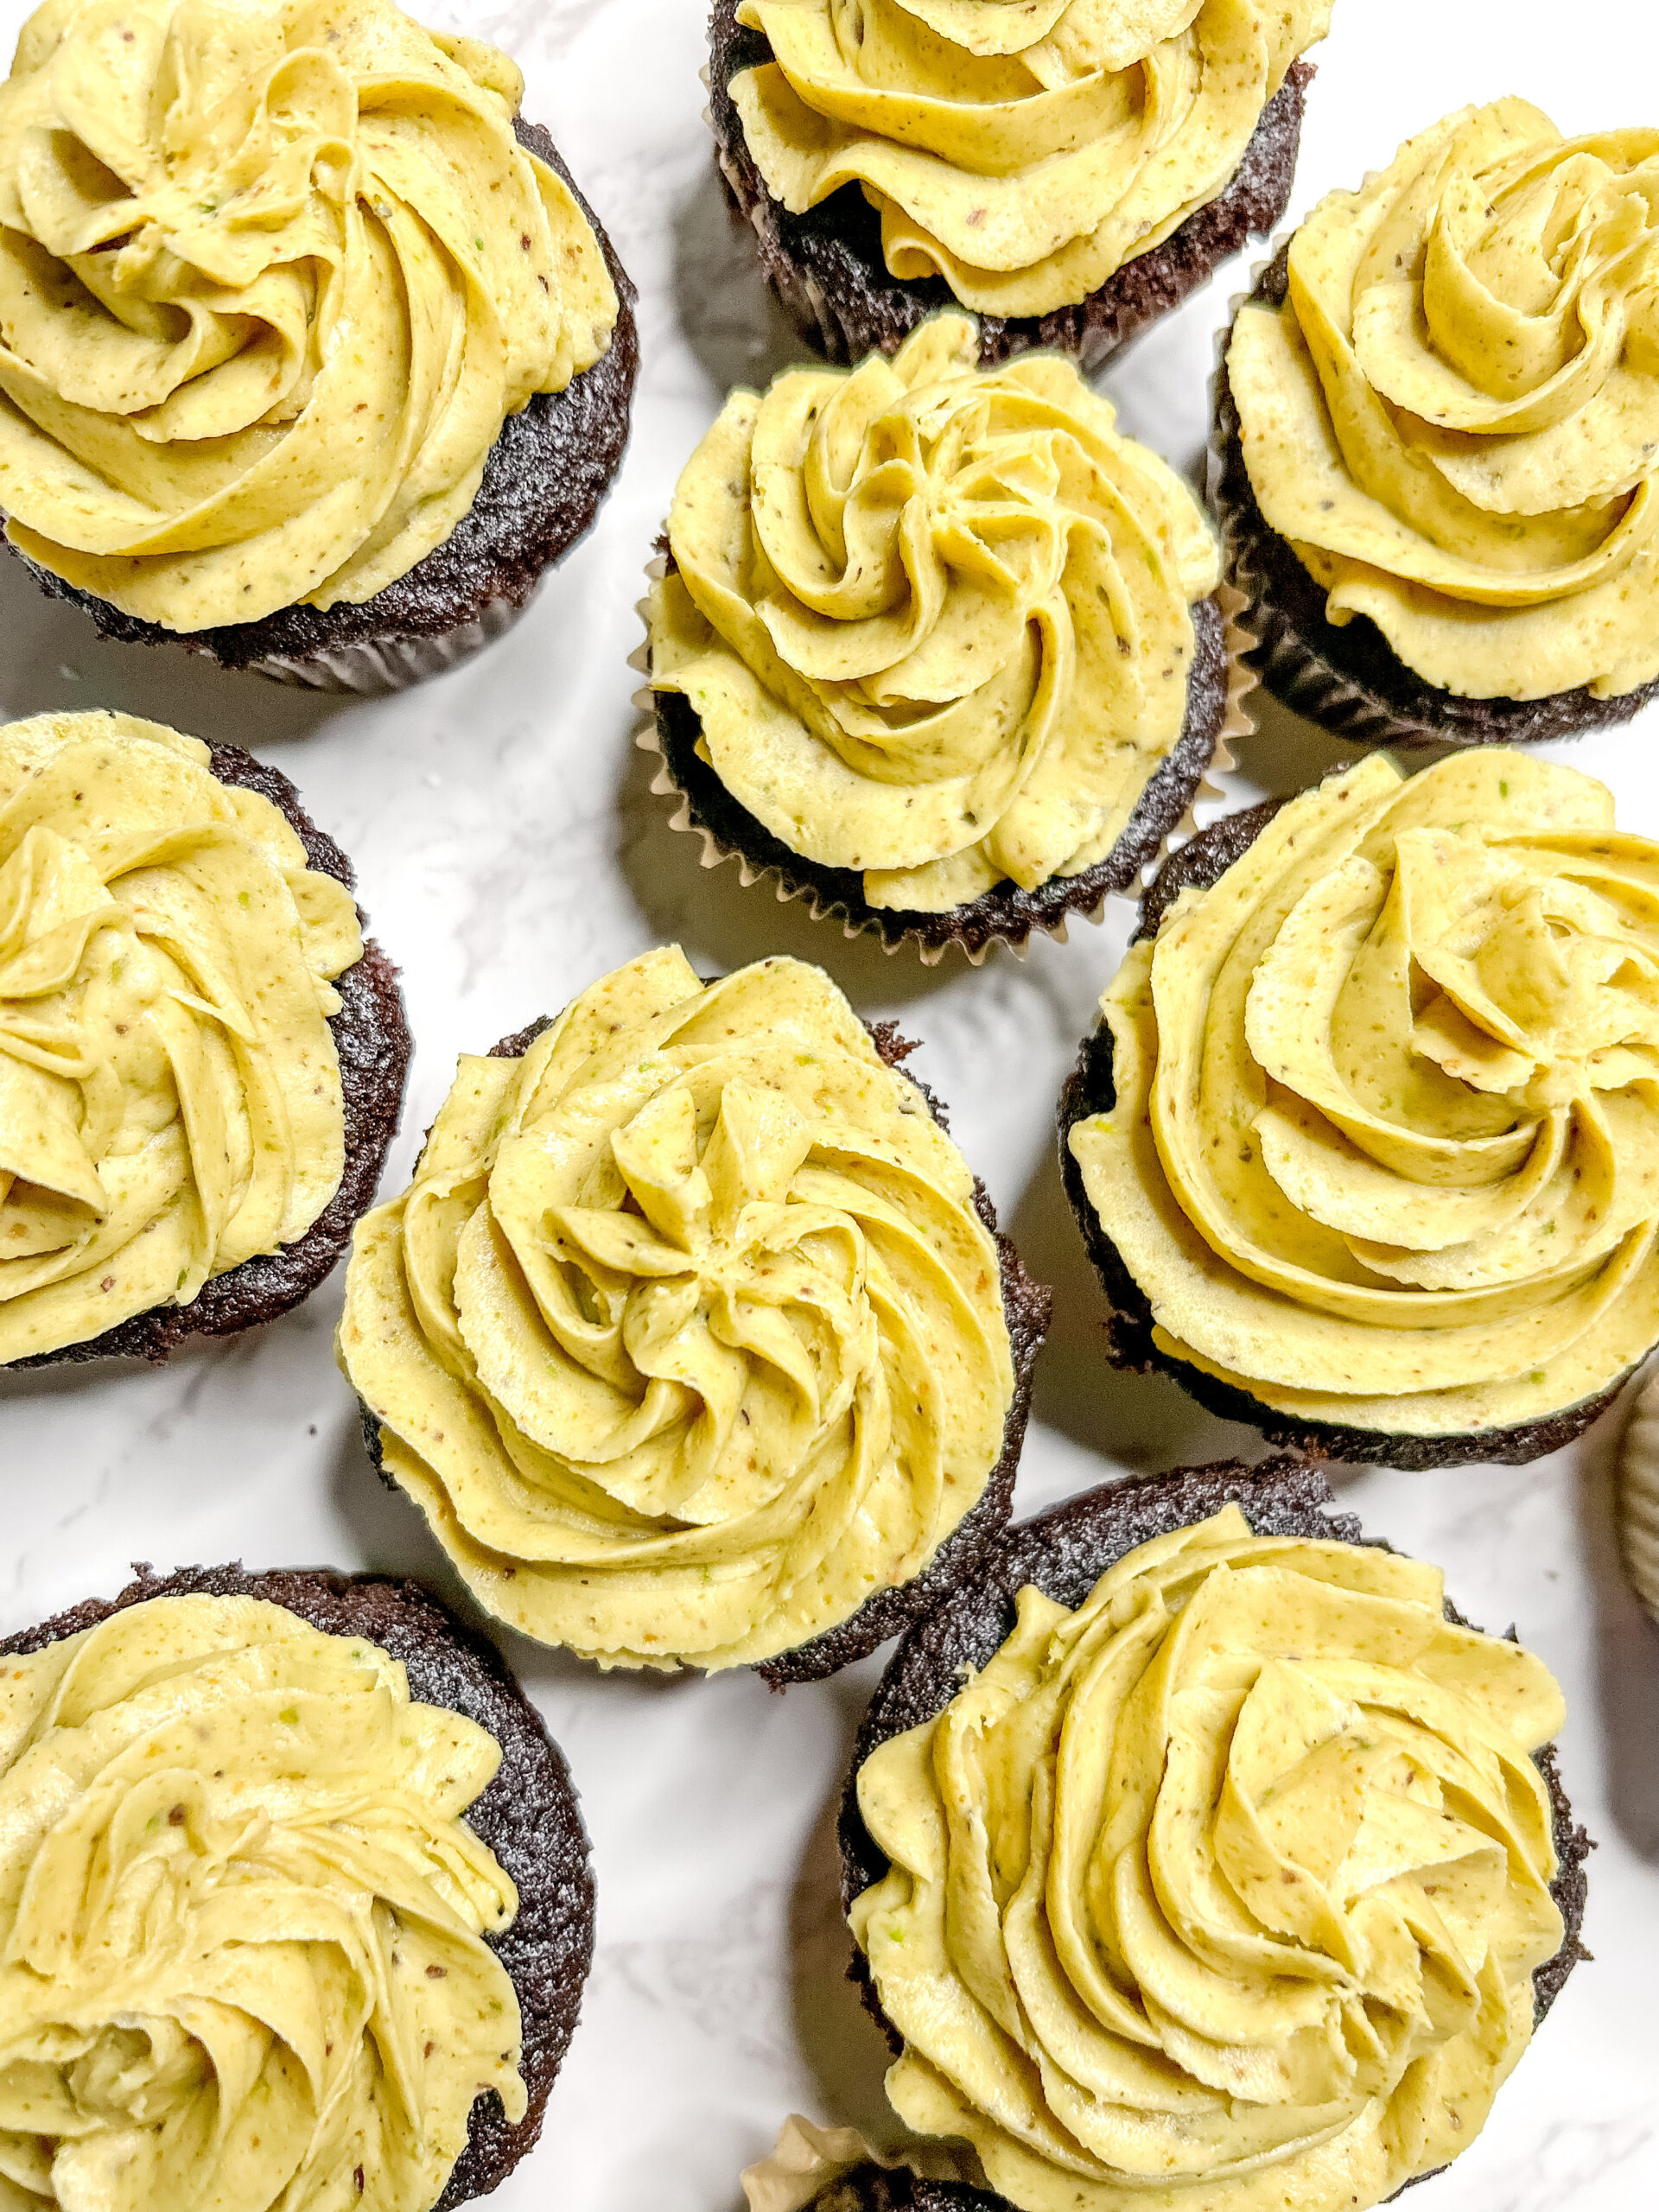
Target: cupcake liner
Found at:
862, 308
806, 2159
1637, 1501
376, 666
1139, 857
1348, 679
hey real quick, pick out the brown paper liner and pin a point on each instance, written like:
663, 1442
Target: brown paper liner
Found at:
1238, 642
806, 2159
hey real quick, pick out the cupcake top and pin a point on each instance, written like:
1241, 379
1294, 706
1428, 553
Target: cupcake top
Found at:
1021, 149
1385, 1150
1454, 416
687, 1338
272, 275
934, 620
242, 1918
171, 1099
1223, 1890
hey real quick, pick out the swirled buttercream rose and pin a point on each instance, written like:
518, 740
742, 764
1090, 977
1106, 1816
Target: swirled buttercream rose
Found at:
687, 1337
1385, 1149
935, 621
170, 1098
272, 277
242, 1918
1454, 417
1223, 1893
1022, 150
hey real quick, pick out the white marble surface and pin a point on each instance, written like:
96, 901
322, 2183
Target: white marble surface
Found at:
509, 851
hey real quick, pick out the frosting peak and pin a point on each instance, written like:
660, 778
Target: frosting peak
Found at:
687, 1337
240, 1920
272, 275
171, 1099
1022, 150
1454, 417
1222, 1893
1385, 1148
934, 620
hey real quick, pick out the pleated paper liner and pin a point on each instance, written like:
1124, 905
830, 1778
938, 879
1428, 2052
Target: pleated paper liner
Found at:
376, 666
807, 2158
1016, 933
1638, 1502
1392, 705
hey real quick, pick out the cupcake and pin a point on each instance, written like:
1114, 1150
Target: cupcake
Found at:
936, 644
1068, 171
316, 357
1366, 1147
201, 1060
1202, 1856
1438, 440
693, 1337
295, 1896
815, 2169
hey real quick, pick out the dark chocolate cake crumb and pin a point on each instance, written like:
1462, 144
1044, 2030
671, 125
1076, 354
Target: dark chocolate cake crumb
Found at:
528, 1815
545, 481
1025, 1307
1090, 1090
1347, 677
1006, 910
1064, 1551
827, 268
371, 1038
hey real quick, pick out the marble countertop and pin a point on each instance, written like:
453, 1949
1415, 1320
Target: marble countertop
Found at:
509, 851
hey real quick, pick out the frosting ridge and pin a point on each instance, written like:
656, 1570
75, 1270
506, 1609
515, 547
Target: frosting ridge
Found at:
1454, 419
686, 1336
934, 620
1225, 1890
1022, 152
272, 278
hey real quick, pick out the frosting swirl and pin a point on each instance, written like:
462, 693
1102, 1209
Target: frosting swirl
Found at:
273, 273
1222, 1893
934, 620
241, 1960
1021, 149
1385, 1148
1454, 417
687, 1338
170, 1098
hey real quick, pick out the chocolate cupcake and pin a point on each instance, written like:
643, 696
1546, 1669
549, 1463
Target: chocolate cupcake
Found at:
693, 1339
1260, 1872
1437, 448
1070, 172
1363, 1149
317, 376
201, 1060
343, 1873
936, 645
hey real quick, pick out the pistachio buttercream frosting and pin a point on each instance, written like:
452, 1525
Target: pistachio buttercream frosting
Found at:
1021, 149
1385, 1149
1223, 1892
687, 1338
935, 620
170, 1100
273, 273
243, 1917
1454, 419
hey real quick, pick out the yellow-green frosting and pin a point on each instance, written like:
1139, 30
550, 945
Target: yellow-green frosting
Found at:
1223, 1893
934, 620
240, 1912
1385, 1149
1454, 417
687, 1338
273, 273
1021, 149
169, 1091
